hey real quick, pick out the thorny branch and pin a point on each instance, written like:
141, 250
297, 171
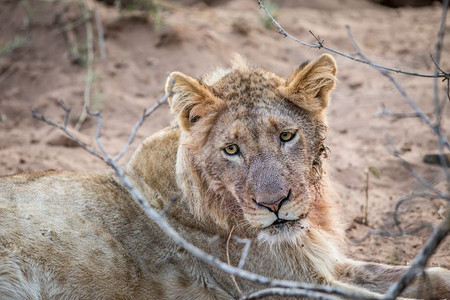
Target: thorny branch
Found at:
439, 73
436, 91
320, 44
402, 91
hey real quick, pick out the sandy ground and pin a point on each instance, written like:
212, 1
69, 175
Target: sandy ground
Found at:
193, 37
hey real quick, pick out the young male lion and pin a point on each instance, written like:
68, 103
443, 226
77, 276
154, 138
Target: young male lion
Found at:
244, 160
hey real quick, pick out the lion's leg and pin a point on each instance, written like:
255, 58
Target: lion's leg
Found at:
349, 288
433, 284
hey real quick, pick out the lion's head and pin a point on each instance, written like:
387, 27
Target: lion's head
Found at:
252, 146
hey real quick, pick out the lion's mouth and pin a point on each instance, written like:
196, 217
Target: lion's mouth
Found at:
279, 221
281, 224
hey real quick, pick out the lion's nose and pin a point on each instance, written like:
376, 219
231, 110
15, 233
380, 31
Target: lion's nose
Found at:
274, 206
267, 183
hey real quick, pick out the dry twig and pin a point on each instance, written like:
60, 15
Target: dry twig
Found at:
406, 199
420, 262
402, 91
100, 34
244, 255
438, 107
229, 263
139, 123
413, 172
288, 293
90, 67
386, 112
320, 44
64, 129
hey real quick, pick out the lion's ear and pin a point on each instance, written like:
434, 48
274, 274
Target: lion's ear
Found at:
309, 86
190, 99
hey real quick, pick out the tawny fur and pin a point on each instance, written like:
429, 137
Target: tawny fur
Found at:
81, 235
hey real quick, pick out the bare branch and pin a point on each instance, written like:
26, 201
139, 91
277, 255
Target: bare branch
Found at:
64, 129
233, 278
447, 78
243, 258
244, 255
437, 59
288, 293
141, 120
441, 34
402, 91
100, 34
403, 200
386, 112
320, 42
90, 62
320, 45
99, 133
436, 65
437, 106
394, 234
408, 166
167, 206
421, 259
67, 112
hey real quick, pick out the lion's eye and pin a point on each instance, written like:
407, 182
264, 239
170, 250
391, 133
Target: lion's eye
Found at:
231, 149
286, 136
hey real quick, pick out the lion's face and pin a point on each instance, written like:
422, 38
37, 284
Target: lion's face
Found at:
255, 142
269, 160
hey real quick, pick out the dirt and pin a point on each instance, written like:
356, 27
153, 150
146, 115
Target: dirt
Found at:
192, 37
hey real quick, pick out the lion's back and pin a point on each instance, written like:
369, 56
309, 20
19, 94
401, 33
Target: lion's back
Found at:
72, 233
57, 236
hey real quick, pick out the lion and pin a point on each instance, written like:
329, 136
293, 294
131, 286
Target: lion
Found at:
245, 158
